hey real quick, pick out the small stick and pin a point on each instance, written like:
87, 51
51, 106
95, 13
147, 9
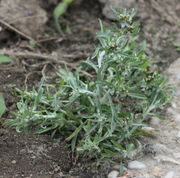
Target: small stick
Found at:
47, 39
45, 57
36, 55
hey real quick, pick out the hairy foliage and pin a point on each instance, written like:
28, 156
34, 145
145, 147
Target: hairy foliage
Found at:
100, 116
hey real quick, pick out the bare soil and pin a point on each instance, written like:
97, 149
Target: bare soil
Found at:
39, 156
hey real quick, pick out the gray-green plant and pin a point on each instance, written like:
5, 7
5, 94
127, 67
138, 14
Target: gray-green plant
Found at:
100, 116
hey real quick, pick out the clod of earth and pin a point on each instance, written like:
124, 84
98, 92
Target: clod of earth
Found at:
27, 16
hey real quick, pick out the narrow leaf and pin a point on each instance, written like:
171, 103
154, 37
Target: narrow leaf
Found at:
4, 59
2, 105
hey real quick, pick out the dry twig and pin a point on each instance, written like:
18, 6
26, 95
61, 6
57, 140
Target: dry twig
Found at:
46, 57
40, 56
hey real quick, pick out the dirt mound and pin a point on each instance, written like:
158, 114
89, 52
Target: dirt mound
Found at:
26, 16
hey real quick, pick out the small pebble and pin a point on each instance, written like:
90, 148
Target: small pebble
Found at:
118, 167
157, 171
56, 169
174, 105
23, 151
33, 157
148, 129
155, 121
136, 165
113, 174
13, 161
170, 174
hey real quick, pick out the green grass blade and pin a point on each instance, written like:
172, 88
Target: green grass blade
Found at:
2, 105
4, 59
60, 10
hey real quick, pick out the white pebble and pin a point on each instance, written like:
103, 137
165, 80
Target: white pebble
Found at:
174, 105
113, 174
148, 129
170, 174
13, 161
136, 165
117, 167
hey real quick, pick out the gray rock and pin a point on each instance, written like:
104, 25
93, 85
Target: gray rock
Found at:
113, 174
136, 165
25, 15
118, 167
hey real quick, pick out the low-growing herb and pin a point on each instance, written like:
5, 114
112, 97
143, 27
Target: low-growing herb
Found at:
100, 116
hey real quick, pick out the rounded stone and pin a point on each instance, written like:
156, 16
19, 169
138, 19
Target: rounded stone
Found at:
113, 174
136, 165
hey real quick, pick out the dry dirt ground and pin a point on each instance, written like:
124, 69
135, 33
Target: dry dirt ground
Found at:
39, 156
